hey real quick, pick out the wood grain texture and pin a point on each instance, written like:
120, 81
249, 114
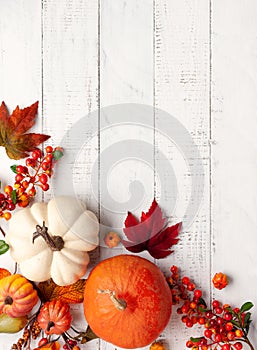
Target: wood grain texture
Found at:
234, 147
80, 57
20, 82
126, 76
70, 98
182, 89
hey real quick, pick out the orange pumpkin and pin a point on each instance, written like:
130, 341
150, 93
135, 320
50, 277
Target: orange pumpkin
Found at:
54, 317
127, 301
17, 296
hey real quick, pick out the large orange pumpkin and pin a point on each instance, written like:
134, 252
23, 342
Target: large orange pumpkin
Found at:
127, 301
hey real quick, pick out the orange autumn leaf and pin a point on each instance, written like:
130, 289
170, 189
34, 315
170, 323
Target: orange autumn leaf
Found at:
72, 294
4, 273
13, 130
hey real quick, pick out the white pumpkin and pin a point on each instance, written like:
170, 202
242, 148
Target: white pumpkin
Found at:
52, 240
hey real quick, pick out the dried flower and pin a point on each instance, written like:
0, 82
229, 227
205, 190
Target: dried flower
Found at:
220, 280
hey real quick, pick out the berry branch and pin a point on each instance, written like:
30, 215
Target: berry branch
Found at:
225, 328
36, 173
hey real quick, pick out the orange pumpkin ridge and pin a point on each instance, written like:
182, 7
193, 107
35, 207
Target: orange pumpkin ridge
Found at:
127, 301
17, 296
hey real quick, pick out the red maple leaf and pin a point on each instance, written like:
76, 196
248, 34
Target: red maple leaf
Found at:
151, 233
13, 130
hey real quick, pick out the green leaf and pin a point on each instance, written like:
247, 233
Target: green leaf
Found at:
202, 301
247, 318
4, 247
246, 306
196, 340
202, 309
57, 154
235, 323
13, 168
14, 196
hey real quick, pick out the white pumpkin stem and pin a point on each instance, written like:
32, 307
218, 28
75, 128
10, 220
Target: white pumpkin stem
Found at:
56, 243
120, 304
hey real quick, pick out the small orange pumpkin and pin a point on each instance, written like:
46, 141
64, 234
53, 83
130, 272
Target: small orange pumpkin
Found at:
17, 296
54, 317
127, 301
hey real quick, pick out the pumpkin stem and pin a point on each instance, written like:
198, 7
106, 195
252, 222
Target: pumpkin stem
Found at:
120, 304
55, 243
8, 300
50, 325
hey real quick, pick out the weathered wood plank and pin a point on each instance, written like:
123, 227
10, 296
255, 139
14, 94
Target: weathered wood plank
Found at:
20, 82
234, 145
126, 139
70, 101
181, 138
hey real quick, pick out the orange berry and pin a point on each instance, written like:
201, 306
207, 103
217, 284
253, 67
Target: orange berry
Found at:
112, 239
239, 333
7, 215
220, 280
8, 189
157, 346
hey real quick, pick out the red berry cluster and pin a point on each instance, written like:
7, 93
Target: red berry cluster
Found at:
36, 172
225, 328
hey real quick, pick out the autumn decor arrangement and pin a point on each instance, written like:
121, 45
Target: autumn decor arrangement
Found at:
126, 299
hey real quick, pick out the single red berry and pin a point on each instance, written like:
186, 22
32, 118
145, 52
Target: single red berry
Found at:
45, 187
203, 341
215, 303
238, 345
231, 335
208, 333
201, 320
189, 323
209, 314
184, 309
228, 316
226, 347
65, 347
217, 338
49, 158
49, 149
25, 170
184, 319
32, 192
174, 269
25, 184
197, 293
19, 169
45, 165
185, 280
218, 310
179, 311
42, 342
30, 162
19, 178
228, 326
191, 287
36, 154
11, 206
43, 178
236, 310
189, 344
220, 321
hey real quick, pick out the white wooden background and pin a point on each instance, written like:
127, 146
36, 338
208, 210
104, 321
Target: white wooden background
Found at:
195, 59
